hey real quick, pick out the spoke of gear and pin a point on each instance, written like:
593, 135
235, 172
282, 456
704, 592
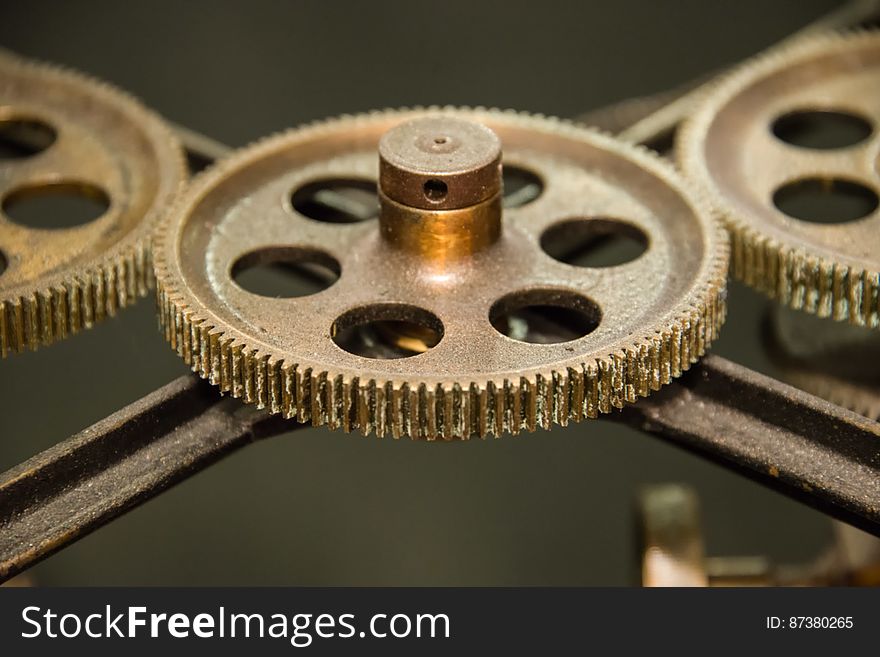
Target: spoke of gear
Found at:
788, 150
459, 309
62, 134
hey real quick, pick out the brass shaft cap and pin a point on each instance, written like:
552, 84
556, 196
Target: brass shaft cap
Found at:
440, 163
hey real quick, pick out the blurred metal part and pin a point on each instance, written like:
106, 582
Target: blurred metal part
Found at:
834, 361
71, 489
821, 257
104, 146
672, 553
671, 537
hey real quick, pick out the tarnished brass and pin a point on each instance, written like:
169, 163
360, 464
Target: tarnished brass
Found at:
440, 162
106, 146
473, 368
731, 148
440, 188
441, 236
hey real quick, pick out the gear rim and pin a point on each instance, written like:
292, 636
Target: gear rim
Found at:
437, 407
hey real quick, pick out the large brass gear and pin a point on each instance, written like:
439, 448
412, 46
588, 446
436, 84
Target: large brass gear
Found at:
659, 312
731, 147
59, 281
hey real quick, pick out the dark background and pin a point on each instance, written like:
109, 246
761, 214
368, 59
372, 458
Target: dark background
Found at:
322, 508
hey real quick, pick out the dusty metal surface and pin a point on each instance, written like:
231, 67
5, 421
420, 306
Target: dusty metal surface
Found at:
642, 322
798, 444
793, 442
80, 484
71, 136
803, 216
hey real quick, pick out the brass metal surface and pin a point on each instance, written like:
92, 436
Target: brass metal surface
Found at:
728, 149
461, 157
656, 315
58, 281
440, 188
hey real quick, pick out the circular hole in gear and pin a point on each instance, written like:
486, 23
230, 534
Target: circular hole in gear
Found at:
825, 200
545, 316
821, 129
337, 200
521, 186
4, 263
20, 138
387, 331
285, 272
594, 242
56, 205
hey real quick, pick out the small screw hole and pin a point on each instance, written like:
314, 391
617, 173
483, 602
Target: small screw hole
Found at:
436, 190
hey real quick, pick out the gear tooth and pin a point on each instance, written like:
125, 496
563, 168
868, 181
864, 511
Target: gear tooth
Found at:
288, 390
443, 412
303, 395
262, 385
629, 375
41, 320
380, 408
396, 396
348, 409
18, 323
273, 384
576, 404
592, 384
213, 357
5, 330
332, 400
559, 398
618, 380
518, 399
490, 427
364, 401
604, 387
544, 391
412, 401
236, 370
465, 407
74, 305
429, 405
479, 424
839, 305
226, 365
318, 396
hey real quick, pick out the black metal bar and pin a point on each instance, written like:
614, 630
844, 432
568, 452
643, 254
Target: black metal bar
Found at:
71, 489
798, 444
